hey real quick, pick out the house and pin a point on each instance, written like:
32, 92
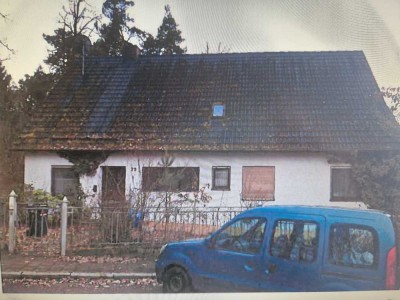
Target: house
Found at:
245, 128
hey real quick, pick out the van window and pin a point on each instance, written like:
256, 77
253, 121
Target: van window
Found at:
245, 235
295, 240
352, 246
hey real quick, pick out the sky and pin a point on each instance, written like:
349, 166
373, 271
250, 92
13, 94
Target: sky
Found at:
238, 26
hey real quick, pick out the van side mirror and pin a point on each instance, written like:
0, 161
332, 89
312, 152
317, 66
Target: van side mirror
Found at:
209, 242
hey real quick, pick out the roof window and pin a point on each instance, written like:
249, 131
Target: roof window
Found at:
218, 110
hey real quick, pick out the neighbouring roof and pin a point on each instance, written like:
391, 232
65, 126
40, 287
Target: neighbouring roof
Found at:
285, 101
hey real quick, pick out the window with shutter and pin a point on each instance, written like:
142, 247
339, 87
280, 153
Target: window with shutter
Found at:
258, 183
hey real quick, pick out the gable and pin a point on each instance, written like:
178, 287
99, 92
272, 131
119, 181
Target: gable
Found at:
286, 101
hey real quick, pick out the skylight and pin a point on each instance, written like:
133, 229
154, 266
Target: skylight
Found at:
218, 110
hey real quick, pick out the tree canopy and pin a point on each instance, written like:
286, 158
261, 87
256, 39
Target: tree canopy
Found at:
168, 40
117, 32
76, 24
393, 94
378, 177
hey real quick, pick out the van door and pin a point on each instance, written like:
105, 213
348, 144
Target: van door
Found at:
293, 256
233, 261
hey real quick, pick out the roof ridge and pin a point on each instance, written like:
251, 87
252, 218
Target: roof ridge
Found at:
175, 56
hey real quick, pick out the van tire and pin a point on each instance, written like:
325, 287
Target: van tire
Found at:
176, 280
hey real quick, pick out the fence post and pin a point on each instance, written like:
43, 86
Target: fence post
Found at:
12, 236
64, 216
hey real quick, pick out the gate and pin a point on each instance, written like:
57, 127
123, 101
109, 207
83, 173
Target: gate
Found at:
38, 229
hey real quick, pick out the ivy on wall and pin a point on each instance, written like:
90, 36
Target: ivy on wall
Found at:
84, 162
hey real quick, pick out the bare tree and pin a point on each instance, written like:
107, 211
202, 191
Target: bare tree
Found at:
220, 49
76, 22
3, 41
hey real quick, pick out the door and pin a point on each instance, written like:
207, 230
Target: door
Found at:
233, 260
113, 186
293, 257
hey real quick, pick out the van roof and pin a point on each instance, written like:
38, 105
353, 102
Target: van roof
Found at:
321, 210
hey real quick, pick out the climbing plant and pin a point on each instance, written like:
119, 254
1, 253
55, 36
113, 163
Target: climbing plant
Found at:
85, 162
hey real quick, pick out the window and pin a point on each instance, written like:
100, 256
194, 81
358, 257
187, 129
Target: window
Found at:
221, 178
352, 246
113, 185
245, 235
64, 181
218, 110
258, 183
343, 186
170, 179
296, 240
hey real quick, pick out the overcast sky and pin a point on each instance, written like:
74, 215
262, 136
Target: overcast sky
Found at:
240, 26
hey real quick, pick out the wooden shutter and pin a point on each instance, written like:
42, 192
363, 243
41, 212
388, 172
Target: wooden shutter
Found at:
258, 183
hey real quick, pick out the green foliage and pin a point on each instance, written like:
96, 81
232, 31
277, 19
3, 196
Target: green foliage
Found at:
393, 94
84, 162
5, 94
34, 89
115, 34
168, 39
378, 177
11, 121
67, 41
39, 196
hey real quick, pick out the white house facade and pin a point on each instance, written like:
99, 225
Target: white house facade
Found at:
298, 178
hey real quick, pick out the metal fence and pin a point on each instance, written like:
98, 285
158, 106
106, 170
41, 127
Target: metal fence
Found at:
38, 229
41, 230
150, 228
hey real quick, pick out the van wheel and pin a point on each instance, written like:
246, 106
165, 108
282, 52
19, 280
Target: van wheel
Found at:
176, 280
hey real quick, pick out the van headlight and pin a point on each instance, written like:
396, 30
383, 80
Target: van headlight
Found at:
163, 248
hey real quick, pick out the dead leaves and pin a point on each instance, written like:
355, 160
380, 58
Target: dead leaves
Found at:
83, 282
98, 260
48, 245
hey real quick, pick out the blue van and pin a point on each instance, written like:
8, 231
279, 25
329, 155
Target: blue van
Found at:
286, 248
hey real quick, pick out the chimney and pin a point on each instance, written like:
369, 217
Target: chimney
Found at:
130, 51
81, 48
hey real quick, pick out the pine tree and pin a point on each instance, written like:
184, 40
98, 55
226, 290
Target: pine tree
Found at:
11, 121
168, 39
5, 98
115, 34
34, 89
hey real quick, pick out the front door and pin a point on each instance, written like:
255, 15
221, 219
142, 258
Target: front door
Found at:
113, 186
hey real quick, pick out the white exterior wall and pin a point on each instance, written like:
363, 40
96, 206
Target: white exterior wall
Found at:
300, 178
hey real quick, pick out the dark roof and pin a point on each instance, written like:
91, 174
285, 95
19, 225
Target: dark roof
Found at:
285, 101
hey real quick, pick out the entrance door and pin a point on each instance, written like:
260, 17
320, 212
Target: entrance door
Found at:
113, 186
